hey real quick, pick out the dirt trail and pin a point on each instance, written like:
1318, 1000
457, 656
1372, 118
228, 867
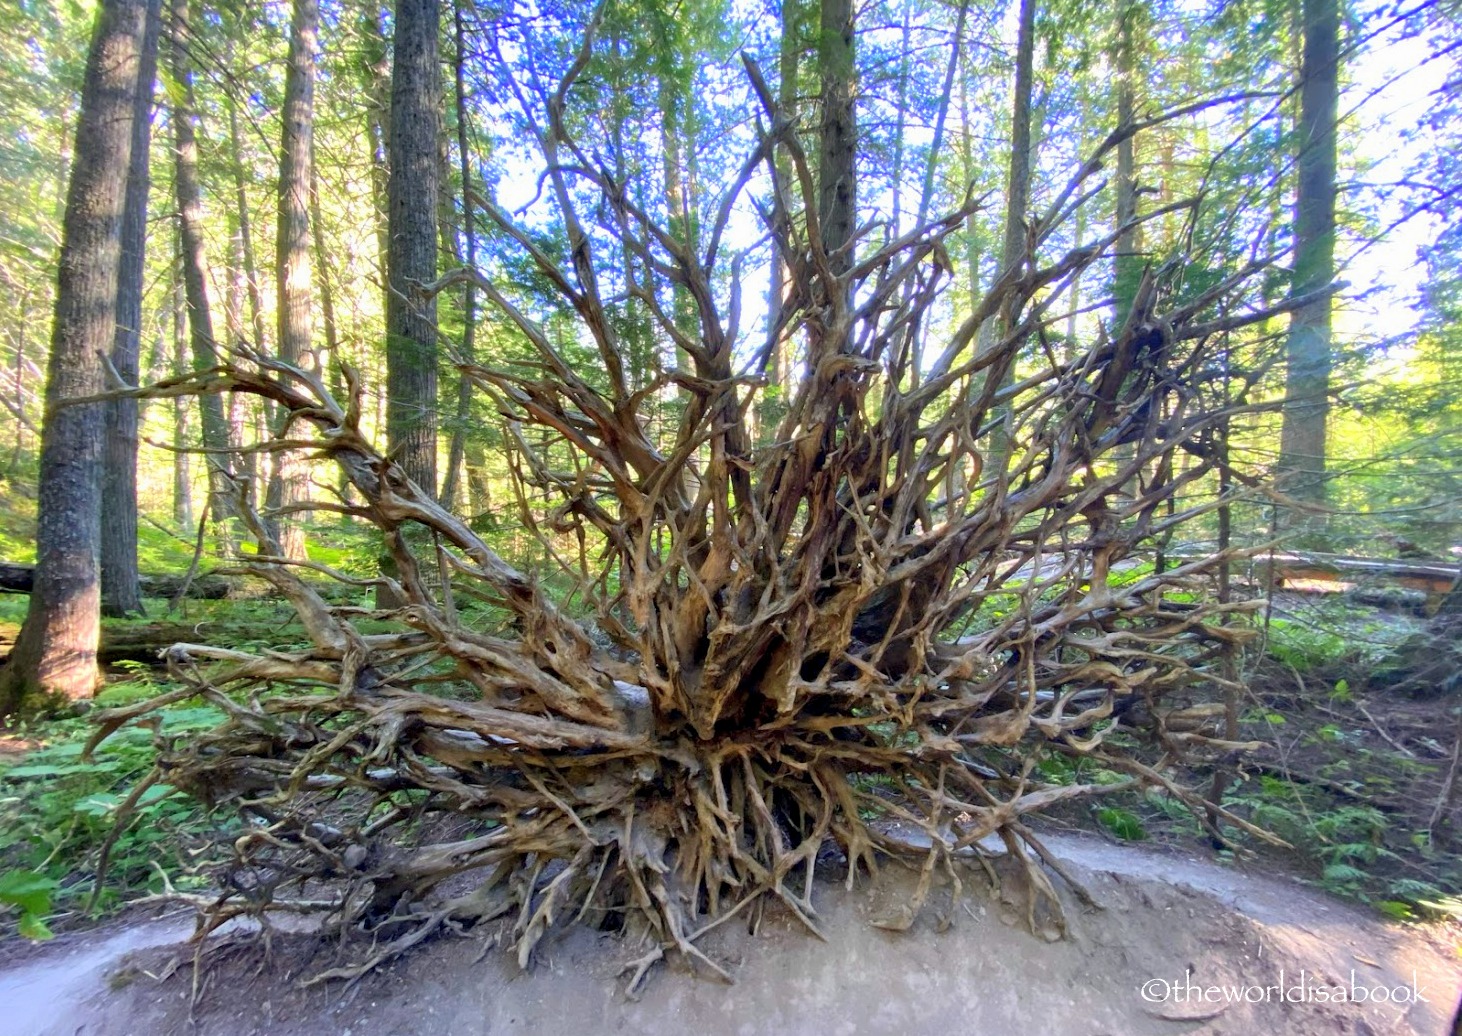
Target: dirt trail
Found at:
1121, 972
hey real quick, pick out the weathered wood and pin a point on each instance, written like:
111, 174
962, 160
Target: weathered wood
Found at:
1430, 577
149, 642
778, 614
1283, 571
19, 579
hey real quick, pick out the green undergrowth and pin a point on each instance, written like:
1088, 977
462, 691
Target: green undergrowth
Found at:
57, 810
1339, 794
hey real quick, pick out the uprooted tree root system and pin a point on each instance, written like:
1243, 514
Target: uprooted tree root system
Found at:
894, 593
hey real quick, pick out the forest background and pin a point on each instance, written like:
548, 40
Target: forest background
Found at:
1288, 145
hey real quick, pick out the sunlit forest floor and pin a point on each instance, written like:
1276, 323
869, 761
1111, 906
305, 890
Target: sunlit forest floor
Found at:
1350, 771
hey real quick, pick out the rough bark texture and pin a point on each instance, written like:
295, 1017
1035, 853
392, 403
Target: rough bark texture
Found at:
374, 68
289, 481
411, 317
1302, 446
203, 345
1127, 262
121, 594
837, 207
55, 653
182, 478
457, 451
1015, 249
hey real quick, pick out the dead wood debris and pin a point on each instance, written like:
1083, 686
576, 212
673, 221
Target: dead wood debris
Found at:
775, 650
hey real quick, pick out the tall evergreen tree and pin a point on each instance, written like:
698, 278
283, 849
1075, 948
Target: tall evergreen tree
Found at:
289, 482
412, 194
189, 194
1302, 444
55, 654
1014, 248
838, 141
121, 591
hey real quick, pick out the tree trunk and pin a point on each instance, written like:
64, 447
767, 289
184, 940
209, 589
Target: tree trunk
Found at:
121, 591
250, 266
926, 193
771, 404
838, 143
375, 85
1306, 402
674, 85
456, 453
182, 477
333, 355
195, 276
936, 148
55, 654
411, 256
289, 482
1128, 260
411, 320
245, 275
1017, 201
972, 226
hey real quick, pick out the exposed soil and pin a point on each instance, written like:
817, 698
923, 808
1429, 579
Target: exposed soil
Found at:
1165, 916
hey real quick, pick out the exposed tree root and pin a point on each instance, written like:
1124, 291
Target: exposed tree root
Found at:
858, 613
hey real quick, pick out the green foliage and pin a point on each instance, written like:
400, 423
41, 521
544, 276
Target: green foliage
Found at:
1122, 823
57, 809
31, 893
1347, 842
1331, 633
1305, 648
1449, 907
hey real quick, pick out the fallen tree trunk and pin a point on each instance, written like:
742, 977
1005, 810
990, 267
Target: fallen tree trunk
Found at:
18, 579
148, 642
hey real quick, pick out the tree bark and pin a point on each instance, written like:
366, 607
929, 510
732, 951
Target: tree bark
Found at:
1127, 262
1302, 444
243, 413
182, 476
1017, 200
333, 355
412, 197
411, 320
250, 265
289, 481
121, 592
456, 453
771, 404
674, 85
838, 145
375, 85
55, 653
195, 276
